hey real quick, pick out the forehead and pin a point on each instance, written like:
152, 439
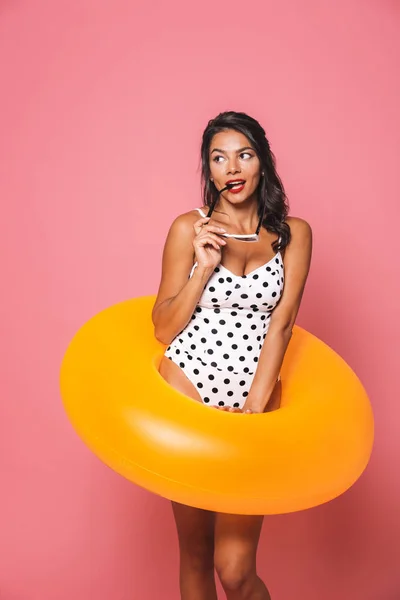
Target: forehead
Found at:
229, 140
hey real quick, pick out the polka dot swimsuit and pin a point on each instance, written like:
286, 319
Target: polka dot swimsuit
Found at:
218, 350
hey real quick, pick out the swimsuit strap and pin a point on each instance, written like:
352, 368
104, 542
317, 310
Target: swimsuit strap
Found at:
200, 211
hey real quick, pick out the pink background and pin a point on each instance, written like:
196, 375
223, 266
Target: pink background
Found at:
102, 110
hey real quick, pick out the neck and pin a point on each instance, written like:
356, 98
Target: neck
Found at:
242, 216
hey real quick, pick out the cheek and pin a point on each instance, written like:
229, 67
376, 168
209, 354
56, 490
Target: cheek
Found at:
255, 174
255, 169
216, 167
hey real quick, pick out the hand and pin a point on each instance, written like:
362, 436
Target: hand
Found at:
246, 411
252, 407
207, 243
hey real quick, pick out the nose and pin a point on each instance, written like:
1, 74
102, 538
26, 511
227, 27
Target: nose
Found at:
233, 165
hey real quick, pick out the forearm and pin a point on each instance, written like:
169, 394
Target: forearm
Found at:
174, 314
268, 368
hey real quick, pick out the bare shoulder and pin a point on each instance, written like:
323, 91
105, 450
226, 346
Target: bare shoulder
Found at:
299, 227
301, 241
178, 244
183, 223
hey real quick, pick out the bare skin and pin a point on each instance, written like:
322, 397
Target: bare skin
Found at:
226, 543
178, 380
211, 541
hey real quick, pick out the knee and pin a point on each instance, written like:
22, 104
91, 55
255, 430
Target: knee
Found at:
233, 574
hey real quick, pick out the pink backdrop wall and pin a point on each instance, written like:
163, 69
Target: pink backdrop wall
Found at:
102, 109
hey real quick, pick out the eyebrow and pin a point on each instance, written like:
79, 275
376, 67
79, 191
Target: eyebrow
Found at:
240, 149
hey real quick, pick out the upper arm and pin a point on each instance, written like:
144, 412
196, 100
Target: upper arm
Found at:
177, 259
296, 262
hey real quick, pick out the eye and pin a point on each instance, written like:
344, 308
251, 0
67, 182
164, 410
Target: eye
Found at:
215, 159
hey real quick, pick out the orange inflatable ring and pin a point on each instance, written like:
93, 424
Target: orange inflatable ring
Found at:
306, 453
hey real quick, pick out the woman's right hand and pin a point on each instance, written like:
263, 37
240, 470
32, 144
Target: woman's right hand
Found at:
207, 243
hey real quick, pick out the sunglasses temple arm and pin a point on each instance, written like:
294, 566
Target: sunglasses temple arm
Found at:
211, 209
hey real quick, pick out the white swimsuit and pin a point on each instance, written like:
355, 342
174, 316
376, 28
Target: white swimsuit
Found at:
218, 349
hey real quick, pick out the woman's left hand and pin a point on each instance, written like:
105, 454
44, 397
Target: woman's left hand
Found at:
245, 411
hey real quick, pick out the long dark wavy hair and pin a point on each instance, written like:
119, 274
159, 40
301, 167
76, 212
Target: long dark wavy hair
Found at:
271, 193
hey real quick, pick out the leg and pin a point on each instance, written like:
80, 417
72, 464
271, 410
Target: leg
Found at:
174, 375
236, 541
195, 528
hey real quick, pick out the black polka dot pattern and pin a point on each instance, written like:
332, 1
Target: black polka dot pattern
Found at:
219, 349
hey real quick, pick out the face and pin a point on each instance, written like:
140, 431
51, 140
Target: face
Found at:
232, 157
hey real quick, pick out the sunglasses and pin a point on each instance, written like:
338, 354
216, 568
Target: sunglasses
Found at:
241, 237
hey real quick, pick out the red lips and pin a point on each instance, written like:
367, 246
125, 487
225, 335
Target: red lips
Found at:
237, 188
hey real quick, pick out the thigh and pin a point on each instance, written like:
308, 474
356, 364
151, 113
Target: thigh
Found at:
195, 527
236, 541
174, 375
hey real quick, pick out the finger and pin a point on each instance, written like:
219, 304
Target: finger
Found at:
210, 236
215, 236
209, 242
213, 228
201, 222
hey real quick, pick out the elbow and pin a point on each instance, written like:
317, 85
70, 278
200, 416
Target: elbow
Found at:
158, 333
284, 330
161, 337
285, 334
288, 330
282, 323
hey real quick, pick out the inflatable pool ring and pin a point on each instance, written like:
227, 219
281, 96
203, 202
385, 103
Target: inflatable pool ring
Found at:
306, 453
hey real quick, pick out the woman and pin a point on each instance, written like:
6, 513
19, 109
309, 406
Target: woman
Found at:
227, 320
